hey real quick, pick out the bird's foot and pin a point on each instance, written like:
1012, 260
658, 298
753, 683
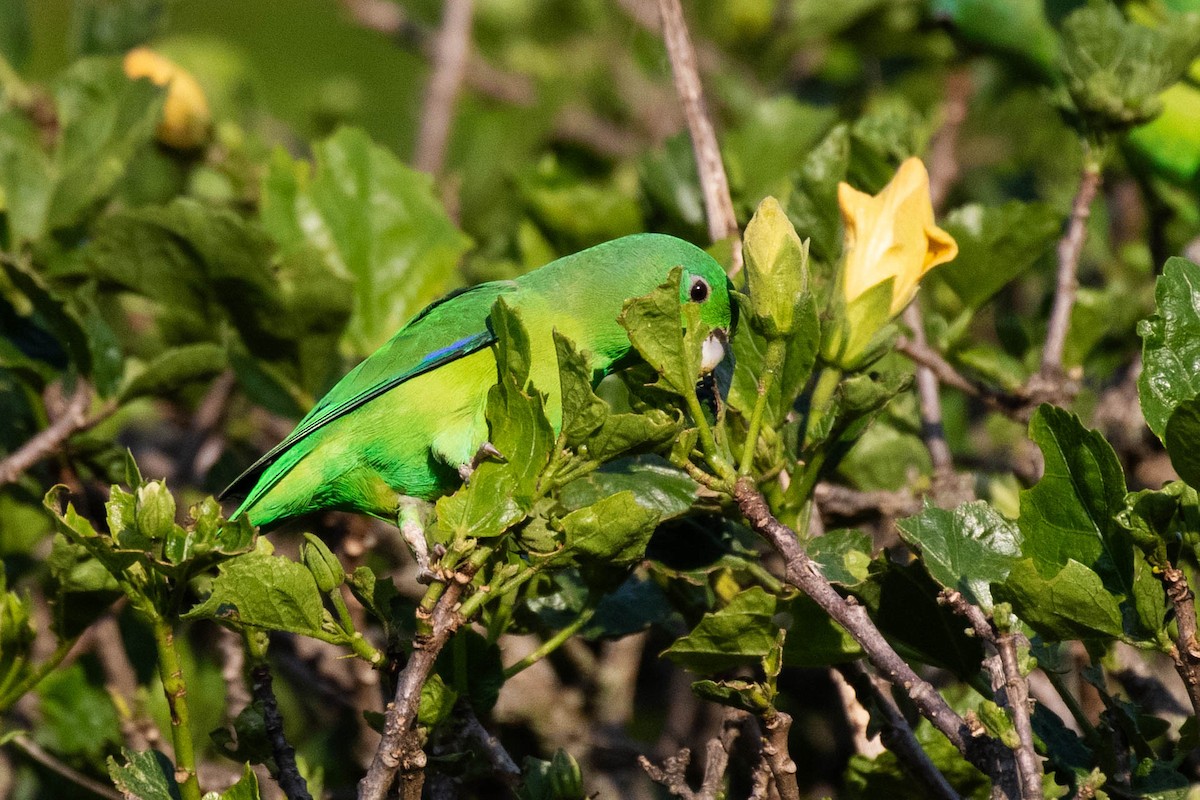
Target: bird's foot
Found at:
412, 528
486, 451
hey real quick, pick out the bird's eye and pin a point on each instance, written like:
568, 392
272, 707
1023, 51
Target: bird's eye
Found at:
699, 291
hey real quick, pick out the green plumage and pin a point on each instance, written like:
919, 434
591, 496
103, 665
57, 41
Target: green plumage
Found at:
403, 421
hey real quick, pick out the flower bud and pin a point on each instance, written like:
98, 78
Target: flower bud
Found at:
185, 116
324, 566
776, 267
154, 510
566, 780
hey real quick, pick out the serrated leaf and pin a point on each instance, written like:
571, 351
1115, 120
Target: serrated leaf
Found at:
374, 220
996, 244
741, 633
268, 592
614, 530
145, 775
747, 696
1072, 603
582, 411
966, 549
655, 331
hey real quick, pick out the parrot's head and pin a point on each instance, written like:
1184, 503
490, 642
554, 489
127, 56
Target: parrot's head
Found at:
705, 284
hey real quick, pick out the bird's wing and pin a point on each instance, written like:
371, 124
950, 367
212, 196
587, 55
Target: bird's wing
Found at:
447, 330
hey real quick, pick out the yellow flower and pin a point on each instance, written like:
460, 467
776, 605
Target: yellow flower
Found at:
892, 235
185, 116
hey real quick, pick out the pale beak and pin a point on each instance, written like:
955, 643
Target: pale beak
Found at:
713, 350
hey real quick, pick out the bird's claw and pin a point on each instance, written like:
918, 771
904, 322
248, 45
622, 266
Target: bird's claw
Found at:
486, 451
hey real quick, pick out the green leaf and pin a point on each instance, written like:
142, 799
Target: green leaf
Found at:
844, 556
437, 701
654, 484
1182, 438
374, 220
145, 775
1170, 344
966, 549
741, 633
582, 411
655, 331
104, 119
815, 640
1073, 514
77, 716
614, 530
268, 592
1070, 513
245, 789
471, 666
749, 696
1072, 603
174, 370
996, 244
749, 351
812, 205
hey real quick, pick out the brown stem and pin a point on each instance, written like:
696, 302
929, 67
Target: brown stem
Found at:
985, 753
1015, 405
450, 51
1011, 687
288, 775
74, 418
842, 501
718, 205
1069, 248
1186, 654
503, 766
776, 727
399, 747
932, 430
897, 735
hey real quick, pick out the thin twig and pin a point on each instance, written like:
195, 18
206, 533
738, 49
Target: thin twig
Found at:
1013, 404
932, 430
673, 772
1186, 653
1070, 246
987, 754
896, 734
35, 752
1011, 687
74, 418
842, 501
502, 763
718, 206
449, 65
288, 772
397, 748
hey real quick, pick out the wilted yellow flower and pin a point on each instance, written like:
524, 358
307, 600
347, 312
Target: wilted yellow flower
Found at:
185, 116
892, 235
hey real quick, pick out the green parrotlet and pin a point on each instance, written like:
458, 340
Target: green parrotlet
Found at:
408, 422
